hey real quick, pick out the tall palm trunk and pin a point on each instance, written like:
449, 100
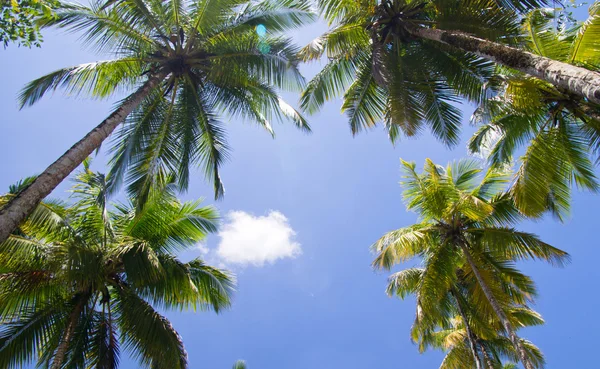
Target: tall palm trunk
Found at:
19, 207
470, 336
512, 335
63, 346
577, 80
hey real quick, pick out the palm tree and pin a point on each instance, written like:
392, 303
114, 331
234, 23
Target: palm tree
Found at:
464, 219
562, 131
452, 317
240, 364
465, 26
78, 286
407, 85
189, 62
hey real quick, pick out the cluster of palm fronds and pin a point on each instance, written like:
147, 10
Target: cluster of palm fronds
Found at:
471, 299
85, 270
78, 281
410, 84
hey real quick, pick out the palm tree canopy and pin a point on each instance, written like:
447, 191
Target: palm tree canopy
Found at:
561, 131
463, 203
217, 60
84, 279
408, 84
468, 245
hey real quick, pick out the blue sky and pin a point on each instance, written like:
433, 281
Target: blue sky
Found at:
327, 196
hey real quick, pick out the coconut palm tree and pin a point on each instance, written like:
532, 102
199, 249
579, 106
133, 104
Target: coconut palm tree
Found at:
377, 28
457, 321
407, 85
561, 130
80, 286
188, 63
464, 219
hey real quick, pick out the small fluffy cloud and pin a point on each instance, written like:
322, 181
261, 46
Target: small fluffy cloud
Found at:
248, 239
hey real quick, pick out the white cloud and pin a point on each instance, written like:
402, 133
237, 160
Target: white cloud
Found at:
203, 249
248, 239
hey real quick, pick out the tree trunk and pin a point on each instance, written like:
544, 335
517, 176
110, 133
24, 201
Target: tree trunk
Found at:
577, 80
470, 336
20, 206
63, 347
512, 335
486, 357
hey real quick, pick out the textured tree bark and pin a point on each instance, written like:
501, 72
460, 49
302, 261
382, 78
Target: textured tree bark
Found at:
577, 80
470, 336
20, 206
512, 335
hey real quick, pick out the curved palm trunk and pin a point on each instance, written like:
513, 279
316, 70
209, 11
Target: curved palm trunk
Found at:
577, 80
20, 206
470, 336
512, 335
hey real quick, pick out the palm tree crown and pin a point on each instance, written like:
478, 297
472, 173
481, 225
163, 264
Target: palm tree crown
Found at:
466, 224
78, 282
210, 60
387, 75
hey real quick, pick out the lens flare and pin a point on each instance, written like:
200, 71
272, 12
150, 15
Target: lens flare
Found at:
261, 30
264, 47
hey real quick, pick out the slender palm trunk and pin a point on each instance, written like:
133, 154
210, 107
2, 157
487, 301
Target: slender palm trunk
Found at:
512, 335
19, 207
486, 357
577, 80
470, 336
61, 351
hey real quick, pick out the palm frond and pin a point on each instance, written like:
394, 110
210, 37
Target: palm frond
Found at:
148, 335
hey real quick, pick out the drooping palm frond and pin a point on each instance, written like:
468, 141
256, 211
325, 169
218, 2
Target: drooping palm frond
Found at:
557, 130
451, 322
147, 333
386, 76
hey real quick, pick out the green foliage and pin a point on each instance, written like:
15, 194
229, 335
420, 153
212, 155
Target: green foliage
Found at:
386, 75
443, 326
240, 364
560, 132
18, 21
214, 67
84, 279
464, 211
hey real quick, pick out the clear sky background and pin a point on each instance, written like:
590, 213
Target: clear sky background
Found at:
300, 213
